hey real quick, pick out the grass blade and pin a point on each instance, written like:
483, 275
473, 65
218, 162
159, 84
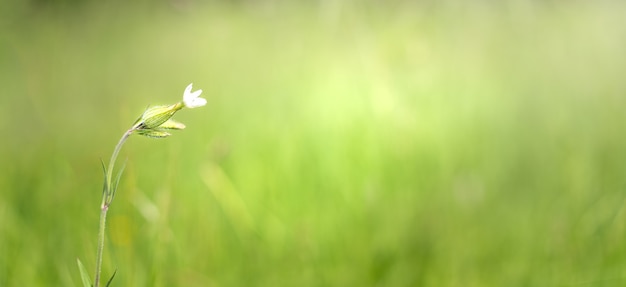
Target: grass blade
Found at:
84, 276
111, 279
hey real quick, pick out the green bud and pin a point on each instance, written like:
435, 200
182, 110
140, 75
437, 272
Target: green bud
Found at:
155, 116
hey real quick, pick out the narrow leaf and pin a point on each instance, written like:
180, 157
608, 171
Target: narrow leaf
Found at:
83, 274
117, 179
111, 279
105, 189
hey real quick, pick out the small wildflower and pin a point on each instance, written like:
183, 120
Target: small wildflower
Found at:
192, 99
155, 121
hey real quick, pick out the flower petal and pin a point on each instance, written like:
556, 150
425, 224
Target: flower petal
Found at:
192, 99
188, 90
198, 102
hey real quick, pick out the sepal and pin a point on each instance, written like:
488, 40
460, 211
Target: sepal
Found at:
154, 133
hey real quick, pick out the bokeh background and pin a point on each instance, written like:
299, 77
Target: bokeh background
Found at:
345, 143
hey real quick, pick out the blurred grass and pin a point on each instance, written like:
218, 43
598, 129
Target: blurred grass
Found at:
344, 144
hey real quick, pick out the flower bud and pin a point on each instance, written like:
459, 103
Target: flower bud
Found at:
155, 116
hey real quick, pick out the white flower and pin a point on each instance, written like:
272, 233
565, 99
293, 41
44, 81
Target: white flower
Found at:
193, 100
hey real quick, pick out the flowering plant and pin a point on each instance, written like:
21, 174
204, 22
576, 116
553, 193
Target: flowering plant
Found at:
155, 122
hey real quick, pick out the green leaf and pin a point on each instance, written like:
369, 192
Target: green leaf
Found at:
111, 279
83, 274
117, 180
105, 189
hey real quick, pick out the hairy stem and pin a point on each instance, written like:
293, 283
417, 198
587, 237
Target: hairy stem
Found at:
107, 197
103, 217
118, 147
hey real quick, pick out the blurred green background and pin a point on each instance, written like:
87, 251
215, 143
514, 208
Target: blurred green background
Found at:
345, 143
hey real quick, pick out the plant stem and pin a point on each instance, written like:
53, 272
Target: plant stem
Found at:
118, 147
103, 217
106, 202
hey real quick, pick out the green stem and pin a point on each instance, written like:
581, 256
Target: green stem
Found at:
118, 147
103, 217
106, 202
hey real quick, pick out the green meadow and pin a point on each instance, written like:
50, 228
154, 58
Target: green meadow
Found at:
344, 143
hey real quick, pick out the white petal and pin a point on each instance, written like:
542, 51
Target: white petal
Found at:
188, 90
188, 95
192, 99
197, 102
195, 94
